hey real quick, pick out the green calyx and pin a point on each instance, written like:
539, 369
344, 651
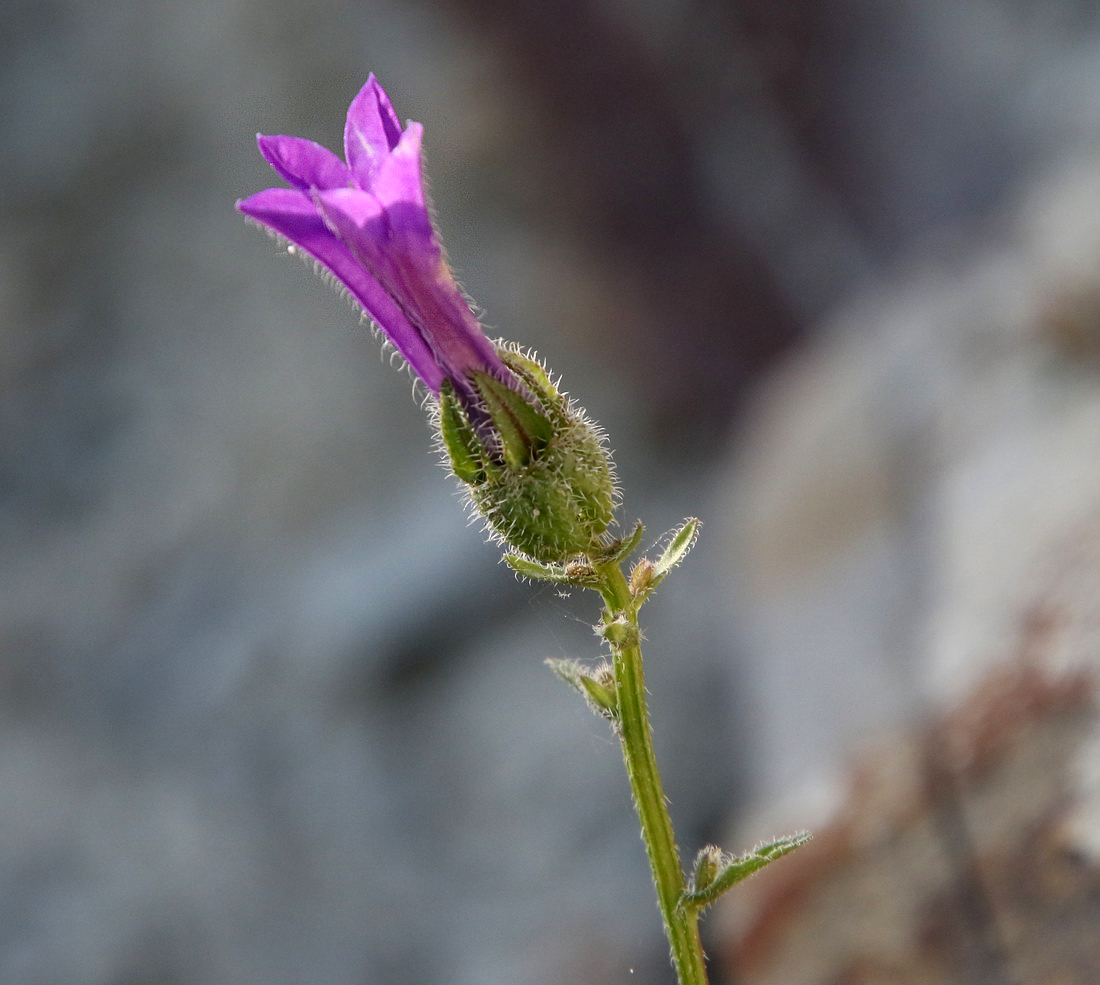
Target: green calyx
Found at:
543, 482
460, 441
523, 431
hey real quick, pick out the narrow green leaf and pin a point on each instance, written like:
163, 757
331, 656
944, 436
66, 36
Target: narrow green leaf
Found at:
621, 547
576, 572
569, 671
681, 541
731, 870
536, 570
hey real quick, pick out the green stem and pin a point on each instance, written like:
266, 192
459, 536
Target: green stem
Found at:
681, 923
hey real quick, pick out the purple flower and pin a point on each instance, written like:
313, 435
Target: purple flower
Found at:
366, 221
533, 466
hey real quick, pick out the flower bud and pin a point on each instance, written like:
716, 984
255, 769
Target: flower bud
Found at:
708, 864
618, 632
597, 685
534, 467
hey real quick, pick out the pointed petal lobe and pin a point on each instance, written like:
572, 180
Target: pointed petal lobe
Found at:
372, 130
397, 246
303, 163
293, 215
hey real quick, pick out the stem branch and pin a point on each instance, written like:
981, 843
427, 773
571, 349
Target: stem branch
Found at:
681, 923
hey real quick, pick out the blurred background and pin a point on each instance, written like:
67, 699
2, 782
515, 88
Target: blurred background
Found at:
272, 712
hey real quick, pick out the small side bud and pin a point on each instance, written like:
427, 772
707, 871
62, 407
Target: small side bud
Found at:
580, 573
597, 687
715, 872
642, 578
708, 863
647, 575
618, 632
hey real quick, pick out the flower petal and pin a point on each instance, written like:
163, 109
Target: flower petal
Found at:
408, 263
293, 215
372, 130
400, 180
303, 163
406, 230
455, 334
367, 223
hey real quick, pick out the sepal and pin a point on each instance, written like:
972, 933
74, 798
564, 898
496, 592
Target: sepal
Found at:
466, 452
533, 373
600, 692
535, 469
523, 431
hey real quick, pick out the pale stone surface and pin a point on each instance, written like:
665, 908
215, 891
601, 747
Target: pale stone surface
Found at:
918, 518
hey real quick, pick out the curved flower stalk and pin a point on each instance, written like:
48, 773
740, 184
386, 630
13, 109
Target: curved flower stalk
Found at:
533, 466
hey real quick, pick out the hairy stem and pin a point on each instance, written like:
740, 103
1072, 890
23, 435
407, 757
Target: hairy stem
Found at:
681, 923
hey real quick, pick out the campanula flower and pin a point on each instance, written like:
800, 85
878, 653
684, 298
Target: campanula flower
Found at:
534, 468
365, 220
